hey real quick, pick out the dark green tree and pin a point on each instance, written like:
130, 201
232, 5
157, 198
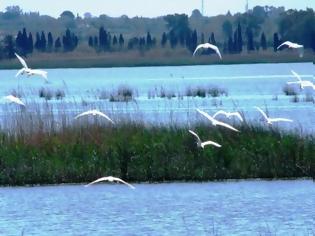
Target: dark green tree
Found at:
227, 28
263, 41
250, 39
50, 42
121, 41
91, 42
58, 44
276, 41
164, 40
239, 39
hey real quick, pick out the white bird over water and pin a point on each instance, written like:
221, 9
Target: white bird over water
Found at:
216, 122
14, 99
110, 179
203, 144
228, 114
94, 113
302, 83
207, 46
28, 70
272, 120
294, 46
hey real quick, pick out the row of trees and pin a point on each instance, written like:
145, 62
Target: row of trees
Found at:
25, 44
244, 33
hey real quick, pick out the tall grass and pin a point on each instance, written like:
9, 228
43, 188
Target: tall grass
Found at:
47, 147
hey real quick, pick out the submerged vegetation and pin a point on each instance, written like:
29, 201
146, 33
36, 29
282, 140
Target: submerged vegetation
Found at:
81, 151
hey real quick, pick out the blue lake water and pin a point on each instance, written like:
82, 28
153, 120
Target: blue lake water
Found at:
215, 208
247, 86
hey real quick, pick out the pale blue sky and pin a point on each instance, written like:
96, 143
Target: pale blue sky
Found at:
148, 8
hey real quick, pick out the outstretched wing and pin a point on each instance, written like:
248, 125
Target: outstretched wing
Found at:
20, 72
296, 75
226, 126
210, 143
124, 182
193, 133
40, 73
105, 116
216, 49
198, 47
281, 120
238, 115
83, 114
22, 61
287, 43
206, 115
262, 112
96, 181
221, 112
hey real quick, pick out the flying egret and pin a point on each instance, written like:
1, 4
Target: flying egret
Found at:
203, 144
228, 114
216, 122
28, 70
289, 44
110, 179
271, 120
302, 83
14, 99
94, 113
206, 46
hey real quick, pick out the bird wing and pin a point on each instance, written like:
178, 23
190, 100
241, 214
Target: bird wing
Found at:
124, 182
216, 49
96, 181
221, 112
210, 143
20, 72
281, 119
206, 115
296, 82
263, 113
193, 133
238, 115
287, 43
40, 73
103, 115
22, 61
296, 75
83, 114
17, 101
226, 126
198, 47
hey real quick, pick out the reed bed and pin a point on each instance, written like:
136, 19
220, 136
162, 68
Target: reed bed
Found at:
46, 146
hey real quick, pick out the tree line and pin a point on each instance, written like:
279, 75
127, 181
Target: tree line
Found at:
241, 32
24, 43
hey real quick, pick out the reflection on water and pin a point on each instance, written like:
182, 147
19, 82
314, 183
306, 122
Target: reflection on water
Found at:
219, 208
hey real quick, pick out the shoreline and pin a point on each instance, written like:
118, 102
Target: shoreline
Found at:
119, 61
169, 182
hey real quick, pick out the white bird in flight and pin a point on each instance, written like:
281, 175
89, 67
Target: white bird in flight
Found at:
206, 46
30, 71
94, 113
203, 144
14, 99
216, 122
302, 83
271, 120
110, 179
294, 46
228, 114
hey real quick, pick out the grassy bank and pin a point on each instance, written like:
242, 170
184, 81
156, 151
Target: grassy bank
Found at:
84, 152
150, 58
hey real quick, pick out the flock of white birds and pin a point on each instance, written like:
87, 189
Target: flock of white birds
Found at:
302, 83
